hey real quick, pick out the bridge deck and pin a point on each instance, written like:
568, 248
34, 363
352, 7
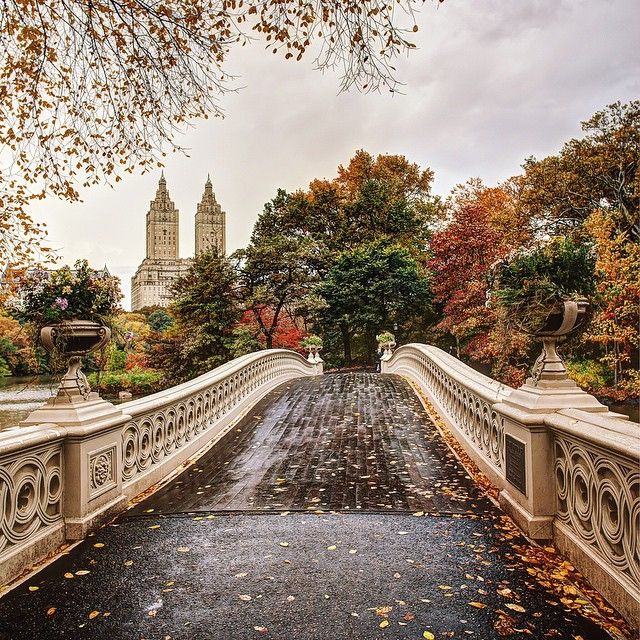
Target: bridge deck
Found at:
184, 564
355, 441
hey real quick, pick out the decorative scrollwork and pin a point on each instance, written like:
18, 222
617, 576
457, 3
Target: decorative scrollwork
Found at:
598, 498
31, 494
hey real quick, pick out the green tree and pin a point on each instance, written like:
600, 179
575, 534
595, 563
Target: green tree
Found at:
206, 309
160, 320
275, 276
371, 288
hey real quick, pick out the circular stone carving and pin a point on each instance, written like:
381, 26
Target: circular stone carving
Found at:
101, 471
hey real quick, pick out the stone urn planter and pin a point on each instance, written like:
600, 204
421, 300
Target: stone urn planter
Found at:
560, 323
314, 352
386, 344
74, 339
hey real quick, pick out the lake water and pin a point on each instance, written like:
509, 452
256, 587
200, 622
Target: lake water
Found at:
20, 396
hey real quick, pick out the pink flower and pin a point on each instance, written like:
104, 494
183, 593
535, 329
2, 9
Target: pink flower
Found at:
61, 303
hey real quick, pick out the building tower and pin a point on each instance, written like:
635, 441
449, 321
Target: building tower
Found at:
162, 225
151, 286
210, 223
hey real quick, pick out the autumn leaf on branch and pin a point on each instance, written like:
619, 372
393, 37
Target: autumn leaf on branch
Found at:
92, 90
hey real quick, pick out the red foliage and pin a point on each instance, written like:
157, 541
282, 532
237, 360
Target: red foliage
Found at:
136, 361
287, 334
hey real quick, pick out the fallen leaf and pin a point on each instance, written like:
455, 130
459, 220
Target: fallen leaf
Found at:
94, 614
32, 588
332, 548
477, 605
284, 544
290, 598
152, 613
383, 611
183, 549
428, 635
128, 563
515, 607
384, 624
51, 611
82, 572
244, 597
261, 629
68, 575
99, 545
154, 526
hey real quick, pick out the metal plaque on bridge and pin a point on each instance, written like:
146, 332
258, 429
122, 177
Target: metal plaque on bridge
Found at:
516, 470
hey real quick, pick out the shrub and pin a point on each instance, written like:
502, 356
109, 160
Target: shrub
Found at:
589, 374
311, 341
136, 381
530, 283
385, 337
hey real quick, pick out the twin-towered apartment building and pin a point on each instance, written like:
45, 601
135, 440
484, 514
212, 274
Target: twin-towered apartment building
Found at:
151, 285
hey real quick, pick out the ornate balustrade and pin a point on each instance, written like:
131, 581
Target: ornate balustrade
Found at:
565, 474
597, 483
30, 492
463, 396
61, 478
164, 424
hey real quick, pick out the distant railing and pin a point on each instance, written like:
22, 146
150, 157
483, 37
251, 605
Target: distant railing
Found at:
58, 481
566, 474
163, 423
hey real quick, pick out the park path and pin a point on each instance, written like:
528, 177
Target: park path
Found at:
333, 509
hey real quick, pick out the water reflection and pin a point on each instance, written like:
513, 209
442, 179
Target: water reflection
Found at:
20, 396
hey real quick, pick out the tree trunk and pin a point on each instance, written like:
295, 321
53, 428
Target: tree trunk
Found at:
346, 344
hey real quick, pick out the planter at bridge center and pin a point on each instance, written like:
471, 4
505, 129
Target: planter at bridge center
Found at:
386, 344
313, 344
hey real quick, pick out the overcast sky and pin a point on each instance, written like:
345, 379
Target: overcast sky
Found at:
492, 82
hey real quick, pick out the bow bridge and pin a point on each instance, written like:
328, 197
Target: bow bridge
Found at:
267, 499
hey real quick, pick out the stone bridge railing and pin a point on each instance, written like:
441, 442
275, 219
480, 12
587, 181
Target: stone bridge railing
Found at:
81, 461
564, 474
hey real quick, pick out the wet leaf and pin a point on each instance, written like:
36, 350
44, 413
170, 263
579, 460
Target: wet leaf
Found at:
477, 605
99, 545
51, 611
154, 526
94, 614
33, 588
82, 572
383, 611
68, 575
515, 607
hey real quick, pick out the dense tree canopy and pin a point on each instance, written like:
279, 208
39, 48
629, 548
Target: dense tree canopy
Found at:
374, 287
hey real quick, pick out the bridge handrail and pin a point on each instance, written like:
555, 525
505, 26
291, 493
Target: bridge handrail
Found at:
463, 396
579, 481
58, 481
162, 423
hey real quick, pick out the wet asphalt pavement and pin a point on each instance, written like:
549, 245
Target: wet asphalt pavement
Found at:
241, 545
